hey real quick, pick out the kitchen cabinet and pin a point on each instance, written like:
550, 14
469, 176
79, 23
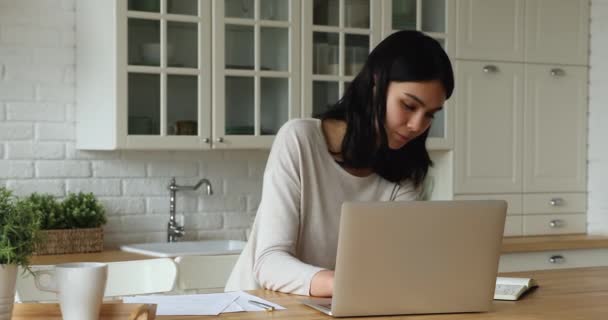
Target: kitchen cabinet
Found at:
152, 76
557, 31
256, 70
489, 138
521, 125
553, 259
212, 74
539, 31
338, 35
490, 30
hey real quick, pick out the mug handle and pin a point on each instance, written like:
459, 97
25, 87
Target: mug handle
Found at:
52, 287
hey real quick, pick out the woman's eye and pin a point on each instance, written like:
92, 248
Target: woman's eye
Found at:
430, 115
409, 107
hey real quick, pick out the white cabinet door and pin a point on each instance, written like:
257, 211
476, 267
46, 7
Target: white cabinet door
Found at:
488, 144
144, 74
490, 30
555, 129
557, 31
435, 19
256, 66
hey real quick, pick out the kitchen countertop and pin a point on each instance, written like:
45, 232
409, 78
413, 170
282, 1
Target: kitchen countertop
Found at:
557, 242
104, 256
509, 245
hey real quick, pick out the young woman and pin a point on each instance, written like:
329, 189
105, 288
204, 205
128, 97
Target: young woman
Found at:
370, 146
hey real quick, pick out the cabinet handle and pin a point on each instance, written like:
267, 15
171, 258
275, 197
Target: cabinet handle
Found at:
556, 202
206, 140
557, 72
557, 223
490, 69
220, 140
557, 259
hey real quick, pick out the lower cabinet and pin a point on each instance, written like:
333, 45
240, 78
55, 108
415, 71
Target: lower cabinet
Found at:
203, 274
540, 213
558, 259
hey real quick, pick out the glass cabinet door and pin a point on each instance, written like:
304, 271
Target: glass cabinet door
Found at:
338, 37
168, 74
432, 18
256, 71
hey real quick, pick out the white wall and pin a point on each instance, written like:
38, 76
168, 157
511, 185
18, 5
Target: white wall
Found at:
597, 214
37, 134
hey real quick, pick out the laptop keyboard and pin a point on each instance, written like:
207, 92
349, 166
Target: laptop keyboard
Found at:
325, 305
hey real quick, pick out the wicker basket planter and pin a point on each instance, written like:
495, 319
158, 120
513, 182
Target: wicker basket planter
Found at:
70, 241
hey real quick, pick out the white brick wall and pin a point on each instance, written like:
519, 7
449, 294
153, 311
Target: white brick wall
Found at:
37, 134
597, 210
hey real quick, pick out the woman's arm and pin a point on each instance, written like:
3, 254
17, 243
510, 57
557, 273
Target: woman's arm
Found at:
276, 266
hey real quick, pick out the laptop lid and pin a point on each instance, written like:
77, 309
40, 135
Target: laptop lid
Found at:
417, 257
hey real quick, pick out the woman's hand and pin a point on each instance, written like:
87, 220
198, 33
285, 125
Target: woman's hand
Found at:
322, 284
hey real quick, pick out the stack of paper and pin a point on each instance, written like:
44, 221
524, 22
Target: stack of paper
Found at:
202, 304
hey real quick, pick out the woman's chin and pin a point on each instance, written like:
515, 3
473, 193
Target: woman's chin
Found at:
396, 146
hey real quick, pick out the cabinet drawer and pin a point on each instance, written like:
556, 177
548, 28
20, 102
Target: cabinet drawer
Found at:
514, 201
554, 224
554, 203
523, 261
513, 226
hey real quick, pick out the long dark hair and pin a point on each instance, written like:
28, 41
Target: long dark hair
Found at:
403, 56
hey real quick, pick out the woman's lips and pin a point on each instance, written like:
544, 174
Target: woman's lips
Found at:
402, 138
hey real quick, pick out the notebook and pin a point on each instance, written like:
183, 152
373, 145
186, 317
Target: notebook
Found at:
512, 288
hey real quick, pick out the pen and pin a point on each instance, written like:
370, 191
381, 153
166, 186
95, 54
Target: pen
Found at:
265, 306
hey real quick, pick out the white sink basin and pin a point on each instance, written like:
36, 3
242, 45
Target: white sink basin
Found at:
186, 248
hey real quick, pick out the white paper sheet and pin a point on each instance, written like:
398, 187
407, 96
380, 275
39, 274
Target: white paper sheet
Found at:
202, 304
242, 303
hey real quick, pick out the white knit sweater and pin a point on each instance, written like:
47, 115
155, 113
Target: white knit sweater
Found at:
295, 232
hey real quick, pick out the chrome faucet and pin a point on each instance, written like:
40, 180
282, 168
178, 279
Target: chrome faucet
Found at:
174, 230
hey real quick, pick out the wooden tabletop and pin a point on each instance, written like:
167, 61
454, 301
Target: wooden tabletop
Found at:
563, 295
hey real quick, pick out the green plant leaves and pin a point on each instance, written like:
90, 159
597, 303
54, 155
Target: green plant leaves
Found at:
19, 226
77, 210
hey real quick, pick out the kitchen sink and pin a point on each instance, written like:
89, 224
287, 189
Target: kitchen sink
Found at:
186, 248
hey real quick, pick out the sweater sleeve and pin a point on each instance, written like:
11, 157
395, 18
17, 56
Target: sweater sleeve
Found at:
275, 264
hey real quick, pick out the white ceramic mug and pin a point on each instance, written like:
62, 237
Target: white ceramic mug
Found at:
79, 287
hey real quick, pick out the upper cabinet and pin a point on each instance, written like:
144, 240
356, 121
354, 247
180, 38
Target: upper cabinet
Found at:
217, 74
152, 76
256, 68
539, 31
557, 31
490, 30
434, 18
337, 37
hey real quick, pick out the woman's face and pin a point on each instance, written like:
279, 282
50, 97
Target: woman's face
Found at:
410, 108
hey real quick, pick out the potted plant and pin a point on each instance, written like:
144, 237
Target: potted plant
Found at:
71, 226
19, 226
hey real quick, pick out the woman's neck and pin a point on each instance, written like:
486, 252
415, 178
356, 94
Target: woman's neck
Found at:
334, 132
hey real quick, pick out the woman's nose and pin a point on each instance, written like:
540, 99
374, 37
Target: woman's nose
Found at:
416, 123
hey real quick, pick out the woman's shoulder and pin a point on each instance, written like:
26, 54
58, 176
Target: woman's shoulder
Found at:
300, 130
301, 125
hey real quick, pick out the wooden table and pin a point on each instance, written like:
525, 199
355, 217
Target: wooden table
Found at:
568, 294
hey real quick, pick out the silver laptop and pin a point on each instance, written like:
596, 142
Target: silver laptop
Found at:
416, 257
